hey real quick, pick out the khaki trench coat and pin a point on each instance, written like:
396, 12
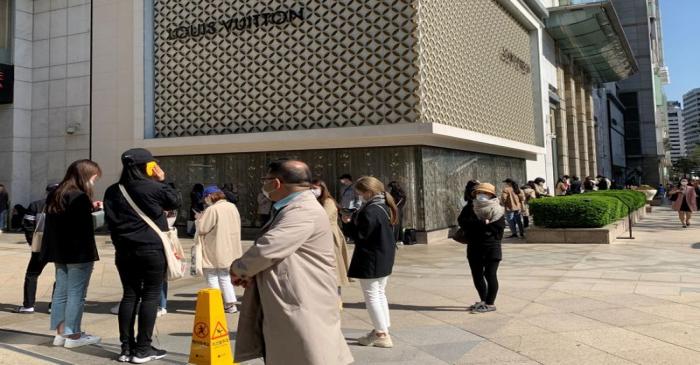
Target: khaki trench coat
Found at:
290, 312
342, 262
219, 231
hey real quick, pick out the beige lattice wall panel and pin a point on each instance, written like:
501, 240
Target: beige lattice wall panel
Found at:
465, 79
347, 63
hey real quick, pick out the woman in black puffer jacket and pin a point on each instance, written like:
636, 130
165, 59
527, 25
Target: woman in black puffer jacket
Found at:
483, 222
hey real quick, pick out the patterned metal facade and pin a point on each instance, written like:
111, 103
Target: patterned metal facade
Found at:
347, 63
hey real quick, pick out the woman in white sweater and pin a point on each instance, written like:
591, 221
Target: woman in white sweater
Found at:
219, 233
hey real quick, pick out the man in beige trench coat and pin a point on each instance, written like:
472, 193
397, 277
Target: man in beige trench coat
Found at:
290, 311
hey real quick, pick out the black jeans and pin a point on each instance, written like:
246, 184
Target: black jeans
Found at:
31, 277
483, 263
142, 273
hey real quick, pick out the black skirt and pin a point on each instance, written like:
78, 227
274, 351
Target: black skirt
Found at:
485, 253
685, 207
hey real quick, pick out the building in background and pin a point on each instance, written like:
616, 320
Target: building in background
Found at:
646, 127
589, 48
612, 159
676, 131
691, 119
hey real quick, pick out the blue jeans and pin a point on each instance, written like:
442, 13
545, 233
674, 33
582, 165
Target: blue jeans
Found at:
3, 220
515, 220
69, 296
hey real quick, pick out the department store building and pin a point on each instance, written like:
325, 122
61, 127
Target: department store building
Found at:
428, 93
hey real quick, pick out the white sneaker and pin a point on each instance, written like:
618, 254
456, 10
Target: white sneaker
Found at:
115, 309
84, 340
25, 310
161, 312
59, 340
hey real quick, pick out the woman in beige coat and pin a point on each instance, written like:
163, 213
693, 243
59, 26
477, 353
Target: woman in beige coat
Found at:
219, 233
320, 190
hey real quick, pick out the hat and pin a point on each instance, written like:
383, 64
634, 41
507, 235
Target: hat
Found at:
485, 188
211, 190
137, 156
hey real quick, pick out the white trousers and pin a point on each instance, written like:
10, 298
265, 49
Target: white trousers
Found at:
377, 305
221, 279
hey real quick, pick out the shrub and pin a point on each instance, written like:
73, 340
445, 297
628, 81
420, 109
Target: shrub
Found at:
589, 210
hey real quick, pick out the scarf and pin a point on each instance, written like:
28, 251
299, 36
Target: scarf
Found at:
490, 209
379, 199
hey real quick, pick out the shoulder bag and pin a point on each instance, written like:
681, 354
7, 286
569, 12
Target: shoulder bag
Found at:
460, 236
38, 235
174, 253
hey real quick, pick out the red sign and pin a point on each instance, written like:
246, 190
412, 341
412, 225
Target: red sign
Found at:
7, 73
219, 331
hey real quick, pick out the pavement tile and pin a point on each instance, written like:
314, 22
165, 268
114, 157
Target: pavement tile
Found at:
675, 311
488, 353
623, 317
564, 322
668, 354
678, 333
614, 340
433, 335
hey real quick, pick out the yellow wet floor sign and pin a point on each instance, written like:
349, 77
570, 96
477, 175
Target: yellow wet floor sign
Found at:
210, 341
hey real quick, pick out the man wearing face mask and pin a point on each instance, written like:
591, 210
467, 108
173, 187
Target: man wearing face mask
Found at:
289, 312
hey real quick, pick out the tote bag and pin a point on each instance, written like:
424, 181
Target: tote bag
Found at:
174, 254
38, 235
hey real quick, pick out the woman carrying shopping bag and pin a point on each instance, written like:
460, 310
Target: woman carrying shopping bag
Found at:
134, 206
69, 242
219, 234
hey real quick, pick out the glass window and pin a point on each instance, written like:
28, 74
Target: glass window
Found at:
5, 32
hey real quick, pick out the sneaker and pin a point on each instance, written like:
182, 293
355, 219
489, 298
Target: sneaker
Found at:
161, 312
471, 307
483, 308
371, 339
115, 309
152, 354
231, 308
125, 356
84, 340
25, 310
59, 340
513, 236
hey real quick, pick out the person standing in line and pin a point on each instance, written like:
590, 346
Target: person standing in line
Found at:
562, 187
400, 198
4, 206
264, 208
684, 201
529, 194
483, 222
349, 200
371, 227
540, 186
140, 256
69, 242
35, 266
576, 186
231, 195
196, 206
219, 233
342, 262
289, 313
512, 199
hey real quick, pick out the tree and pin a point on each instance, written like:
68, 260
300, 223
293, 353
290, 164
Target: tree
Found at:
685, 166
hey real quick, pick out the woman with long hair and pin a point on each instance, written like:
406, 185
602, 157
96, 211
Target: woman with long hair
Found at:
483, 226
684, 201
400, 199
375, 250
139, 258
219, 233
342, 262
69, 242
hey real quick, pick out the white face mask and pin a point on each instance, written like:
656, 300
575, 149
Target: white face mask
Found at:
317, 192
684, 183
483, 197
266, 193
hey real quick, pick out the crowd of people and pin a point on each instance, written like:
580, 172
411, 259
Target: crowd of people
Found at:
293, 274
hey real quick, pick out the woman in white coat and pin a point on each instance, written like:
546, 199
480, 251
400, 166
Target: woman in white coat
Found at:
219, 233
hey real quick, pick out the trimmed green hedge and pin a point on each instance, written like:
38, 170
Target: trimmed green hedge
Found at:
589, 210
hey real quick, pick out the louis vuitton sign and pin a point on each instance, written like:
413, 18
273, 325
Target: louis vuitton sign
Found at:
236, 24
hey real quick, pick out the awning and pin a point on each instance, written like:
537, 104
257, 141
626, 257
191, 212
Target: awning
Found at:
591, 35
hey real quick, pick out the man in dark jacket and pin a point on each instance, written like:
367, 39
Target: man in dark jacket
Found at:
36, 265
4, 206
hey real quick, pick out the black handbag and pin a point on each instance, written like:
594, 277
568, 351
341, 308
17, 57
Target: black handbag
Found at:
460, 236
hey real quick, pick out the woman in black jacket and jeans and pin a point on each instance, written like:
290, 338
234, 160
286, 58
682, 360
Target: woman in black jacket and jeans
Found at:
140, 258
69, 242
483, 222
373, 259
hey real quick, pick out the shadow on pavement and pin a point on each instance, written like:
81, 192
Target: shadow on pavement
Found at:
404, 307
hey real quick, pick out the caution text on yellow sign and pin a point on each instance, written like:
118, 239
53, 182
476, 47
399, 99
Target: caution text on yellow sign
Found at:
210, 342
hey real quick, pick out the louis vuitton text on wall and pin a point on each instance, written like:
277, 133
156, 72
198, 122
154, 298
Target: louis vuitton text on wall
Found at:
239, 24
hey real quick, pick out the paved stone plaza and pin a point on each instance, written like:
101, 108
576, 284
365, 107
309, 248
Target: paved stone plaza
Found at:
634, 302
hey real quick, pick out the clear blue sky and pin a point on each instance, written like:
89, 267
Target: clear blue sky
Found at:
680, 20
